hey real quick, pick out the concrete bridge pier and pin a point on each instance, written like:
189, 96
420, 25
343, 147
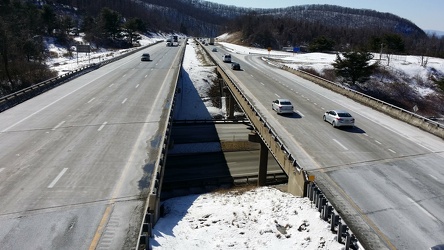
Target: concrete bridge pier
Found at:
263, 158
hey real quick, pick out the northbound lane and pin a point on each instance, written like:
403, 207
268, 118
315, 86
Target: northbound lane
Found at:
385, 176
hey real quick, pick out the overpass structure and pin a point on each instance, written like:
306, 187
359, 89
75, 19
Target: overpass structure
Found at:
300, 181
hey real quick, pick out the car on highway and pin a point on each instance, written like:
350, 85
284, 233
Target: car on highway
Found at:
145, 57
214, 50
235, 66
282, 106
226, 58
339, 118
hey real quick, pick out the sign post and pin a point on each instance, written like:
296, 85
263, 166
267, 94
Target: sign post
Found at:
83, 49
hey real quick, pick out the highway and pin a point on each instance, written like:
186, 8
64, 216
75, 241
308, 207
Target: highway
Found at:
75, 162
385, 176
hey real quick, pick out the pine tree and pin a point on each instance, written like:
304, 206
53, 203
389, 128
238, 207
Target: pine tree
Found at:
354, 67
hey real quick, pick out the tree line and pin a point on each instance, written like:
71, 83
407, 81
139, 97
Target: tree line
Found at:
278, 32
116, 23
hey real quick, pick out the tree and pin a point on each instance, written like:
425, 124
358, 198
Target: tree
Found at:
131, 27
354, 67
110, 22
321, 44
49, 19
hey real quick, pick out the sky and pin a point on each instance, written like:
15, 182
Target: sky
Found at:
426, 14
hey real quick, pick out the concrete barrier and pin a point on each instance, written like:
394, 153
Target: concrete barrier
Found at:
406, 116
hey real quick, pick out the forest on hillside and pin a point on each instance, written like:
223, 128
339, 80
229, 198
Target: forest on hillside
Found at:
113, 24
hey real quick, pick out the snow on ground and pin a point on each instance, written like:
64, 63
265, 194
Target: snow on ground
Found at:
404, 66
63, 60
260, 218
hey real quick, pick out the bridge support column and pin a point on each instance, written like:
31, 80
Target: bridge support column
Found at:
231, 103
263, 165
263, 158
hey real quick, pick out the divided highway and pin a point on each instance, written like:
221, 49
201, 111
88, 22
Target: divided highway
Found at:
71, 159
385, 176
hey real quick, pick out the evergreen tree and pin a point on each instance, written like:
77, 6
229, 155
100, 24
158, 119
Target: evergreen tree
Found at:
354, 66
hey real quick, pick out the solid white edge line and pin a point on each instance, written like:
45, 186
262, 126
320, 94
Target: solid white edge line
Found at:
123, 102
57, 178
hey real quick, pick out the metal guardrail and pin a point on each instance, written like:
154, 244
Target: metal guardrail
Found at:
409, 117
152, 204
297, 176
11, 100
328, 214
314, 194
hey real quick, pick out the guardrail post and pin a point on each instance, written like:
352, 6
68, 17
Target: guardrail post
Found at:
326, 211
335, 219
342, 230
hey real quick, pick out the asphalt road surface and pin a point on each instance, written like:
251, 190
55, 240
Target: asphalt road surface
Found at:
386, 177
75, 162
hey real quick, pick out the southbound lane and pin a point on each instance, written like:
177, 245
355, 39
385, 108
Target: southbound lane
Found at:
75, 161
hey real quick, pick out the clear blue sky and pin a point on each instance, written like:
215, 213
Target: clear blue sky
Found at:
426, 14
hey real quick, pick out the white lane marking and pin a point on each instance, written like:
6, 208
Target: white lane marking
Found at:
277, 95
146, 76
340, 144
111, 85
123, 76
124, 100
54, 102
299, 112
422, 209
57, 178
101, 127
391, 150
91, 100
378, 142
137, 86
262, 83
58, 126
1, 169
434, 177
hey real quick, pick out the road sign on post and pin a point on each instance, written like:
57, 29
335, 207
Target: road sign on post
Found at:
82, 49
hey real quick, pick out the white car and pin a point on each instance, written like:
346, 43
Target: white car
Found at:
282, 106
339, 118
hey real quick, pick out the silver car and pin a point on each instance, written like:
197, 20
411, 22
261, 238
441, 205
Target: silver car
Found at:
339, 118
282, 106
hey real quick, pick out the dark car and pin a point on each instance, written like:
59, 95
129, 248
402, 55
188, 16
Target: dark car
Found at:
145, 57
235, 66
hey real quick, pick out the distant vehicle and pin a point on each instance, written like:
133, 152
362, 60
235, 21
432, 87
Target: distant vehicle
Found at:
235, 66
211, 42
226, 58
145, 57
339, 118
214, 50
282, 106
